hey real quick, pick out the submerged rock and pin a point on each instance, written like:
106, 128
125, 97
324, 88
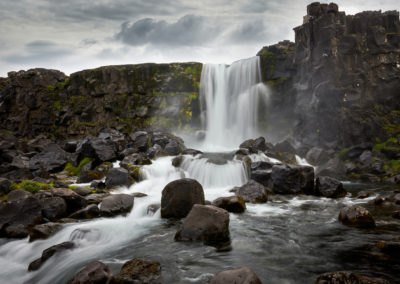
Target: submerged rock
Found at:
116, 204
290, 179
49, 252
179, 196
234, 204
240, 275
205, 223
347, 277
93, 273
138, 270
356, 216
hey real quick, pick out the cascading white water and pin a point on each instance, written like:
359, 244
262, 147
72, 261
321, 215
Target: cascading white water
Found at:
231, 97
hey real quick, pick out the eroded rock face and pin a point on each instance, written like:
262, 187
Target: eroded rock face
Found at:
179, 196
241, 275
356, 216
205, 223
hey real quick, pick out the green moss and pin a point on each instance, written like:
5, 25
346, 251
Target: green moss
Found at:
355, 175
30, 186
65, 83
392, 128
275, 82
74, 171
383, 145
51, 89
395, 165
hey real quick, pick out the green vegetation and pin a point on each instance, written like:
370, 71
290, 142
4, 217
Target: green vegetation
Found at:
384, 145
74, 171
31, 186
51, 89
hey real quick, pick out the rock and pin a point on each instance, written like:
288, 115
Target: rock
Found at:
395, 179
49, 252
18, 194
154, 151
252, 192
366, 158
240, 275
89, 212
285, 146
116, 204
82, 191
5, 185
289, 179
140, 140
70, 146
333, 168
138, 194
329, 187
205, 223
234, 204
364, 194
179, 196
53, 208
317, 156
396, 214
93, 273
89, 174
347, 277
262, 176
96, 198
152, 209
390, 247
192, 152
16, 217
98, 184
138, 270
74, 201
53, 159
173, 148
135, 159
356, 216
177, 161
118, 177
378, 200
104, 149
43, 231
254, 145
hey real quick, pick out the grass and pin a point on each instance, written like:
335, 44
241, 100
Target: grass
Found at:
31, 186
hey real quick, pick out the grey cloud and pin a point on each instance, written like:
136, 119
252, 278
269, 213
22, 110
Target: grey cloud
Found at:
89, 42
186, 31
252, 31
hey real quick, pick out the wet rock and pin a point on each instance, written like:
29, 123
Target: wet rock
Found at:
396, 214
255, 145
347, 277
98, 184
118, 177
179, 196
43, 231
333, 168
290, 179
395, 179
261, 176
138, 270
16, 217
135, 159
116, 204
140, 140
89, 212
285, 146
74, 201
192, 152
173, 148
53, 159
5, 185
378, 200
18, 194
154, 151
240, 275
234, 204
364, 194
390, 247
89, 174
329, 187
93, 273
53, 208
96, 198
317, 156
138, 194
356, 216
102, 150
152, 209
82, 191
177, 161
48, 253
205, 223
252, 192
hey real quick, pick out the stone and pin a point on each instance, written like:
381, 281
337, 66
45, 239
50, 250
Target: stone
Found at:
43, 231
290, 179
179, 196
138, 270
364, 194
234, 204
177, 161
152, 209
82, 191
347, 277
5, 185
140, 140
173, 148
317, 156
93, 273
192, 152
356, 216
104, 149
333, 168
154, 151
74, 201
205, 223
53, 208
396, 214
18, 194
89, 212
96, 198
254, 145
117, 177
240, 275
53, 159
116, 204
252, 192
48, 253
329, 187
135, 159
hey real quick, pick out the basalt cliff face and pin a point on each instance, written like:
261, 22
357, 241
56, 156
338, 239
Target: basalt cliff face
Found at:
338, 85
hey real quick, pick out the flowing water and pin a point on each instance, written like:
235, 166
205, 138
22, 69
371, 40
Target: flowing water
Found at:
289, 239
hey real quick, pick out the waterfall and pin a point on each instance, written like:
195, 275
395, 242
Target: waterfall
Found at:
231, 98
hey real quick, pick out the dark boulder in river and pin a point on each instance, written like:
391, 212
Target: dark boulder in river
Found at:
49, 252
138, 270
252, 192
240, 275
118, 177
116, 204
179, 196
205, 223
347, 277
329, 187
93, 273
290, 179
356, 216
234, 204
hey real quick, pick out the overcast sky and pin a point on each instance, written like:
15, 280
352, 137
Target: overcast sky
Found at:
80, 34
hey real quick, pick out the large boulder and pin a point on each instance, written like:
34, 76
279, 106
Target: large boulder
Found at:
347, 277
135, 159
93, 273
179, 196
53, 208
89, 212
138, 270
234, 204
317, 156
43, 231
52, 159
101, 149
356, 216
88, 174
333, 168
49, 252
252, 192
240, 275
140, 140
329, 187
118, 177
17, 217
74, 201
205, 223
255, 145
290, 179
18, 194
116, 204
